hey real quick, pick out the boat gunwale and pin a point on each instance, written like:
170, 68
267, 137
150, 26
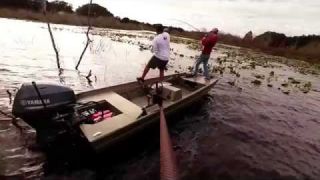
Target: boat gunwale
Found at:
118, 87
150, 118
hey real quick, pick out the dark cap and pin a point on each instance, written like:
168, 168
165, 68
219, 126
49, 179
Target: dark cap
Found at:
159, 28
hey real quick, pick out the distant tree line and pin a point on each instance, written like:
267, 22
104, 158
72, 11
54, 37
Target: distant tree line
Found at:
273, 39
96, 10
35, 5
55, 6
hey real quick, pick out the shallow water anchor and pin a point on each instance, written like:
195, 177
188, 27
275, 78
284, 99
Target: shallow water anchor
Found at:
168, 163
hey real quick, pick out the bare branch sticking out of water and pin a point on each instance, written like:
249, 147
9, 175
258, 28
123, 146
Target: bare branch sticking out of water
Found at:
88, 76
87, 35
44, 11
10, 96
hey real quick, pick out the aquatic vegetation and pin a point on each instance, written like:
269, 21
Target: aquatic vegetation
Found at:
286, 91
256, 82
232, 83
253, 65
272, 73
245, 67
306, 87
259, 76
293, 81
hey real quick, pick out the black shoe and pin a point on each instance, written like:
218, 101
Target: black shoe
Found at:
140, 80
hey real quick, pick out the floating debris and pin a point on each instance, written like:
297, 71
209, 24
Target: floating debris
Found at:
270, 85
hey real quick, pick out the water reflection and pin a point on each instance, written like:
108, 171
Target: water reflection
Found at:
266, 123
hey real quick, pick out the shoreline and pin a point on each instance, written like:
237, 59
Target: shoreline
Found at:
307, 54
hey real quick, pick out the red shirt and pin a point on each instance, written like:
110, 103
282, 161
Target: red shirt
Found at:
208, 43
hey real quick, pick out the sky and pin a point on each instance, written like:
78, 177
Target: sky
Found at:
292, 17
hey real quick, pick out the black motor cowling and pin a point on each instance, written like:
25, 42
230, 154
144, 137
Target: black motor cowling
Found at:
41, 101
49, 109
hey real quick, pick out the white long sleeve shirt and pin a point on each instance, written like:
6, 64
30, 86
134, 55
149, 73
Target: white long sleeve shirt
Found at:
161, 46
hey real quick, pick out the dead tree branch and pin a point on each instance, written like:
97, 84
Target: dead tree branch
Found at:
44, 11
87, 35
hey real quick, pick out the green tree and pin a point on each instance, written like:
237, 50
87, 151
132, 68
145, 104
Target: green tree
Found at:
96, 10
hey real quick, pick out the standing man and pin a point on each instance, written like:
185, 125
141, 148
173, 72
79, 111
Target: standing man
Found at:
161, 53
207, 42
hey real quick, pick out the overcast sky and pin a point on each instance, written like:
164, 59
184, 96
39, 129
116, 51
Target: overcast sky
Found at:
292, 17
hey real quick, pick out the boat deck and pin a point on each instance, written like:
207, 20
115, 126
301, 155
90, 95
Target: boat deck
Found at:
131, 98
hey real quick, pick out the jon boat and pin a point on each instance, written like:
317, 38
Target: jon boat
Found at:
134, 114
102, 116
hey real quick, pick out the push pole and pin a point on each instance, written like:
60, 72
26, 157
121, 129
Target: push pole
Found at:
168, 163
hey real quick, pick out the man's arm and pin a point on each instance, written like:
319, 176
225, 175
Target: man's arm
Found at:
154, 45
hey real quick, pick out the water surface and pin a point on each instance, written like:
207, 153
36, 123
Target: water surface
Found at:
243, 131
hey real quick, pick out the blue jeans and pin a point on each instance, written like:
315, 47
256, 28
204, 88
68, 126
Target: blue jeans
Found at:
202, 59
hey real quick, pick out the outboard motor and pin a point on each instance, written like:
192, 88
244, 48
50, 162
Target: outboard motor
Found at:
49, 109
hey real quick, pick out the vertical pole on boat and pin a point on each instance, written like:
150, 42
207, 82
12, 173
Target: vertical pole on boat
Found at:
168, 166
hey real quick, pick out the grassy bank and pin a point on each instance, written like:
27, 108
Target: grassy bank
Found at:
310, 54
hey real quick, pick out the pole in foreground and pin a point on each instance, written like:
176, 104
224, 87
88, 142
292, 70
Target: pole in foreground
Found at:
168, 163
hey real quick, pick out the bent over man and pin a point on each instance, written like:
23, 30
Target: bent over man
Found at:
161, 54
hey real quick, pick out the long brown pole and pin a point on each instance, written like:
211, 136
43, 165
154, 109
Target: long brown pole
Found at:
168, 163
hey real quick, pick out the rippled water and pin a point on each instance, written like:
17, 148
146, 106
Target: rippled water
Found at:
243, 131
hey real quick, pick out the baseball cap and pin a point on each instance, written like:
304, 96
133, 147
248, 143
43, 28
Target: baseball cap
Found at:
215, 30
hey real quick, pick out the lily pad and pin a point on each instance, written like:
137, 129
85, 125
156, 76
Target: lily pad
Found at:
259, 76
272, 73
256, 82
286, 92
293, 81
231, 83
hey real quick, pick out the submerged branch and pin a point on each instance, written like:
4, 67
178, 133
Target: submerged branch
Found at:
54, 46
87, 35
44, 11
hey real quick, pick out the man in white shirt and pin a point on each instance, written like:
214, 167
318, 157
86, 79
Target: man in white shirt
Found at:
161, 53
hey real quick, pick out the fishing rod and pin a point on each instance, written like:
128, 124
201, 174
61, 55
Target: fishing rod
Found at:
186, 23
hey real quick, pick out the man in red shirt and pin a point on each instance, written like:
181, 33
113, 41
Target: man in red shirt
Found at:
207, 42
